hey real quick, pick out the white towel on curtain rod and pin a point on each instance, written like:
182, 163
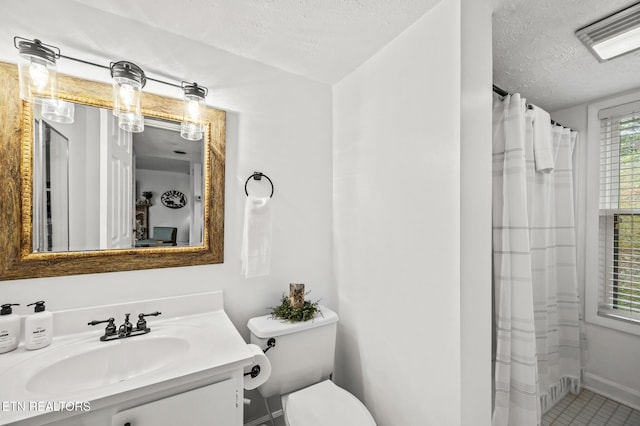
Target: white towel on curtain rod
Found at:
535, 276
543, 149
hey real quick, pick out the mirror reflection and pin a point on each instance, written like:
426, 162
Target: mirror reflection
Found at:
98, 187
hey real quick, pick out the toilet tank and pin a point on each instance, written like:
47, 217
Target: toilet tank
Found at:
303, 354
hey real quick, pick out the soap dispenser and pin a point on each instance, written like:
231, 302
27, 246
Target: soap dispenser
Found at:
38, 328
9, 328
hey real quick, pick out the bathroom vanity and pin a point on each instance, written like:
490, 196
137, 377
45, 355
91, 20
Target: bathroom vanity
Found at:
187, 370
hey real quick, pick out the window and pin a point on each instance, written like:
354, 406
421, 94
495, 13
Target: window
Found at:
619, 207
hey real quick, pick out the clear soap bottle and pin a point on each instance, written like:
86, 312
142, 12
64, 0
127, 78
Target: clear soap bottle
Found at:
38, 328
9, 328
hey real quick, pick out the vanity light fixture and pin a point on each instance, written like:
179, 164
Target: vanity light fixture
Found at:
192, 126
38, 79
128, 81
37, 73
614, 35
39, 84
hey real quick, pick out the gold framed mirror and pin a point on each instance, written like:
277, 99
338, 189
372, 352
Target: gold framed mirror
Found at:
19, 260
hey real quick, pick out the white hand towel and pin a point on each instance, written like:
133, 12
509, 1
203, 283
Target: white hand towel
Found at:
256, 237
543, 151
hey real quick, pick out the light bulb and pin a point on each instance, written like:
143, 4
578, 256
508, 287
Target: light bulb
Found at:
194, 110
39, 75
126, 95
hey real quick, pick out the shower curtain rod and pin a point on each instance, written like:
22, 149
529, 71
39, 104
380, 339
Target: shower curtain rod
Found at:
501, 92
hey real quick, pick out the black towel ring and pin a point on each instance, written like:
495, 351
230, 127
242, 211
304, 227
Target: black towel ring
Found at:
258, 176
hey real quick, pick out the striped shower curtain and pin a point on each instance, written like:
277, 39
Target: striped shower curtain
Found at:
537, 319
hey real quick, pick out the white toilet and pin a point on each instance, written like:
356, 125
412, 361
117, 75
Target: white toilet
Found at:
301, 363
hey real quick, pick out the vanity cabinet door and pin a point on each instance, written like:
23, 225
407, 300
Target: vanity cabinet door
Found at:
216, 405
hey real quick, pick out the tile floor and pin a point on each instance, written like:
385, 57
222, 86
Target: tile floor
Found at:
590, 409
585, 409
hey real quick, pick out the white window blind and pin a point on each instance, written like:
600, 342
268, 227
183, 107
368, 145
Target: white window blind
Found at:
619, 293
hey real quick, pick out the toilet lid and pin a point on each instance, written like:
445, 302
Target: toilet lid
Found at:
325, 404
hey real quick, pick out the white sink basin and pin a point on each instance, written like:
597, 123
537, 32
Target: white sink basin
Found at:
114, 362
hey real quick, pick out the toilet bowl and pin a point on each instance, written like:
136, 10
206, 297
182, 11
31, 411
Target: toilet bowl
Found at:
324, 404
301, 355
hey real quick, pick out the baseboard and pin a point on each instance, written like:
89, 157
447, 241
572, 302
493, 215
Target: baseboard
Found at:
612, 390
264, 419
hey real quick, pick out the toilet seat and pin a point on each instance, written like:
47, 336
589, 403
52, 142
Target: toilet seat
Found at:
325, 404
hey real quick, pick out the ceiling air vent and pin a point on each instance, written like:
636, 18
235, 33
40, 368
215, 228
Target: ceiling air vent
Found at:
613, 36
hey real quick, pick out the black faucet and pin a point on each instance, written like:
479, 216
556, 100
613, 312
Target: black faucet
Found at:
109, 331
142, 323
126, 329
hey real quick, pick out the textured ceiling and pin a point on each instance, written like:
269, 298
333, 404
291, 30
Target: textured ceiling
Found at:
320, 39
536, 53
535, 50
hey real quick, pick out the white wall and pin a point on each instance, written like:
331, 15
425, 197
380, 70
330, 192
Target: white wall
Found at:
475, 226
397, 226
158, 182
277, 123
612, 364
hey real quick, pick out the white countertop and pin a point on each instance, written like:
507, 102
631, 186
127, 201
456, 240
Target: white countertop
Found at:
213, 347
